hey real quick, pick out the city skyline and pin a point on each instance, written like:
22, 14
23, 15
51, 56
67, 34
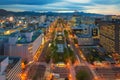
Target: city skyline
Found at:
110, 7
59, 46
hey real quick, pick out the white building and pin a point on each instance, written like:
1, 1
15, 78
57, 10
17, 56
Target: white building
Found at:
85, 41
42, 18
85, 33
10, 68
25, 45
83, 29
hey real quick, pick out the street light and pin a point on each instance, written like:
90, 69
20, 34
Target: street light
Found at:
70, 77
96, 78
23, 76
22, 65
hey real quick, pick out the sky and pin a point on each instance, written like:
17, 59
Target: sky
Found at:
89, 6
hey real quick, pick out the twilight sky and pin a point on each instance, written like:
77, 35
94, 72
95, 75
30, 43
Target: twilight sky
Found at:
90, 6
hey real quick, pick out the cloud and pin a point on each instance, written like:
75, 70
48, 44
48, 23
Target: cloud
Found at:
78, 1
66, 6
58, 6
103, 9
106, 2
92, 6
27, 2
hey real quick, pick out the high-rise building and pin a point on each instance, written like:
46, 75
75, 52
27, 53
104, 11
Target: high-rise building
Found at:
110, 36
10, 68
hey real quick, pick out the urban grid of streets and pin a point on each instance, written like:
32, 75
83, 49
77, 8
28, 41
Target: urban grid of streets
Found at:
43, 70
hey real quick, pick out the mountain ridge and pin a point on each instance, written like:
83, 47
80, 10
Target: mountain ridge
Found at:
33, 13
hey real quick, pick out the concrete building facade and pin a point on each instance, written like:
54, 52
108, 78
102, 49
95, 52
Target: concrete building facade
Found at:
110, 36
24, 47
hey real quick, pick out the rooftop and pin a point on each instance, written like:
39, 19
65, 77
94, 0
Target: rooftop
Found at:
26, 30
2, 58
14, 34
23, 40
84, 36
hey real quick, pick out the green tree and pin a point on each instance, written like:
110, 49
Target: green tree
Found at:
66, 33
66, 79
82, 75
75, 41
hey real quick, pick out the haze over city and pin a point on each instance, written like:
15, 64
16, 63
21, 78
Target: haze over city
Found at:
89, 6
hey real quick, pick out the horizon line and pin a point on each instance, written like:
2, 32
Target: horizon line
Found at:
56, 11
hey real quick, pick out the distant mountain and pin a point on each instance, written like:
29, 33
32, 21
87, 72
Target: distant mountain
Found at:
32, 13
89, 14
74, 14
29, 13
6, 13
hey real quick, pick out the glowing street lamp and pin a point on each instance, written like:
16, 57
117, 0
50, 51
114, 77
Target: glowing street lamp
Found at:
96, 78
68, 64
23, 76
22, 65
70, 77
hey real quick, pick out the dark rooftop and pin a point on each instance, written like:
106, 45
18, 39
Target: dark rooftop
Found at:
2, 58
